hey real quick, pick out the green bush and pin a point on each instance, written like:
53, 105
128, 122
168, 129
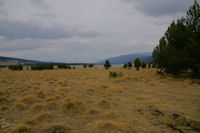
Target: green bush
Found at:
42, 67
144, 65
115, 74
15, 67
125, 65
129, 65
85, 66
62, 66
91, 65
149, 65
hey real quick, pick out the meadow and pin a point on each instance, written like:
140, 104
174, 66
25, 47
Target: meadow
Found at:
90, 101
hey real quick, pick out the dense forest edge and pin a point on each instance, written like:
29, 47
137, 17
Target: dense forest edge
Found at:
179, 48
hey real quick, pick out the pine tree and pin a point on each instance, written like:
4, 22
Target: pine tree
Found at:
137, 63
107, 64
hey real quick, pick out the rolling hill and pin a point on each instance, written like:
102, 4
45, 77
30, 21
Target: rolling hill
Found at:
144, 57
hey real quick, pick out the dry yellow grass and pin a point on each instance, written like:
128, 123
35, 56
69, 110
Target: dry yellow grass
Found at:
89, 101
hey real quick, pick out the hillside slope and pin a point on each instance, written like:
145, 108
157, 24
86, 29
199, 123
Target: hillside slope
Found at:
144, 57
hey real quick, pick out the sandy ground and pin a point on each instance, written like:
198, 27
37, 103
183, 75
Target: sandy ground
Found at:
89, 101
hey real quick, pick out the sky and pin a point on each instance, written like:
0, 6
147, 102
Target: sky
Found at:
84, 30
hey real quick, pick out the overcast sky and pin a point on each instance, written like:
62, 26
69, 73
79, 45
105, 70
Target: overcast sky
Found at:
84, 30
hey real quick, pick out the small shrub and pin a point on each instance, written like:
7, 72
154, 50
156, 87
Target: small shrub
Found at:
129, 65
62, 66
22, 129
68, 67
91, 65
115, 74
125, 65
56, 128
15, 67
144, 65
84, 66
42, 67
154, 65
149, 65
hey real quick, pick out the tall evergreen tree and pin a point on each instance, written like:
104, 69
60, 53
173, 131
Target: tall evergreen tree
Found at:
107, 64
179, 48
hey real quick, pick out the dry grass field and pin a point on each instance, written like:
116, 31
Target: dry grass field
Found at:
89, 101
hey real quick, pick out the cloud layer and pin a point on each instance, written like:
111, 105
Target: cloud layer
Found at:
84, 31
160, 7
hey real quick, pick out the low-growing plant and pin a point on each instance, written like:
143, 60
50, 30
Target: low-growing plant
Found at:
125, 65
15, 67
129, 65
115, 74
144, 65
149, 65
85, 66
42, 67
91, 65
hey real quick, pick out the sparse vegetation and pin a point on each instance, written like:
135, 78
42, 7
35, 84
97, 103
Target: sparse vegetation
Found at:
115, 74
88, 101
42, 67
62, 66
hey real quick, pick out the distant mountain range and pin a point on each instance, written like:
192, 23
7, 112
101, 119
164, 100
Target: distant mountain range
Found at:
144, 57
5, 61
14, 61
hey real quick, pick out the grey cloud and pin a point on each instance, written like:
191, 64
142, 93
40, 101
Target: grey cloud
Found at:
39, 3
1, 3
160, 7
13, 29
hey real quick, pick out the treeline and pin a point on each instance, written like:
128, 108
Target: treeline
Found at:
137, 64
179, 49
15, 67
42, 67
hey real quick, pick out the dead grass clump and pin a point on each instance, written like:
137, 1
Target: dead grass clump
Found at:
103, 103
73, 106
180, 123
51, 105
19, 107
4, 108
45, 116
90, 90
56, 128
40, 94
29, 100
107, 126
21, 129
111, 114
115, 90
37, 108
93, 111
50, 99
3, 100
